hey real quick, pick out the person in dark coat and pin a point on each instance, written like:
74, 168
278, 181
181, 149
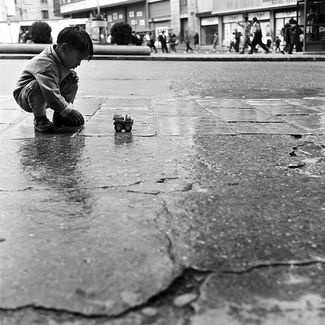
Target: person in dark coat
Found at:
286, 37
291, 35
295, 32
163, 41
196, 42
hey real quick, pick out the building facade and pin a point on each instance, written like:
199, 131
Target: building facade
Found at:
173, 16
202, 16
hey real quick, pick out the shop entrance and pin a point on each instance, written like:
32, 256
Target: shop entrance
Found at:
207, 33
184, 28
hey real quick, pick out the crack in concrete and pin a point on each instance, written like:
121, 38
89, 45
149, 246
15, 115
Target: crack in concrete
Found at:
290, 263
55, 311
170, 249
150, 301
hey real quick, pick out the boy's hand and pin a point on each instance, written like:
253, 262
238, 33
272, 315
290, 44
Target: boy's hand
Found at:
75, 118
72, 77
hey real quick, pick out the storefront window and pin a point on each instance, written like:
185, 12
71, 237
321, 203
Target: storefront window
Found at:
315, 21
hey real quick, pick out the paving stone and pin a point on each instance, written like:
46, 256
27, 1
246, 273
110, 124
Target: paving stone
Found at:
8, 102
247, 115
288, 110
186, 126
236, 103
310, 123
267, 128
9, 115
265, 102
87, 106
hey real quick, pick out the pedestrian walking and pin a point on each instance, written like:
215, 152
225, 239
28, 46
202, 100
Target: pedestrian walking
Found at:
48, 80
237, 35
133, 38
269, 37
196, 42
138, 39
232, 42
257, 37
173, 42
300, 44
147, 39
246, 26
187, 42
285, 32
150, 42
163, 41
277, 44
215, 42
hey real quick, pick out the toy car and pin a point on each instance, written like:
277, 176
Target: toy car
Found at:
122, 123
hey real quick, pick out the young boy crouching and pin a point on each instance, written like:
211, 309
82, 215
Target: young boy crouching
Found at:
49, 81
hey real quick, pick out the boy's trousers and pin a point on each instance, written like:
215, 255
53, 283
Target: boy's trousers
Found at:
32, 100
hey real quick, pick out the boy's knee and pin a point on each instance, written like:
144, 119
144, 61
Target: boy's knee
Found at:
69, 87
30, 96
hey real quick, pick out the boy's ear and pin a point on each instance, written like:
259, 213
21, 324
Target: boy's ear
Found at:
64, 47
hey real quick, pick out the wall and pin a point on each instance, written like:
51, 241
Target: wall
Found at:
248, 5
204, 5
175, 21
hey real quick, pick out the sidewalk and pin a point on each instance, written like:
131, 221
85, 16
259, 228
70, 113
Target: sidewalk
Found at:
204, 54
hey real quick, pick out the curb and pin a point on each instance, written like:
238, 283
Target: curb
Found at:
23, 51
180, 57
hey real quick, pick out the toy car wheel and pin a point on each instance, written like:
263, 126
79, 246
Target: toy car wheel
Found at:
118, 127
128, 128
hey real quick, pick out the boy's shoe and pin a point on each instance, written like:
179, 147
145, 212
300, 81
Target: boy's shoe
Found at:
44, 125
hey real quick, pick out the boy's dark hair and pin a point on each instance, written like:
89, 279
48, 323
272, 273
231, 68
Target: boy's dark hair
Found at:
77, 38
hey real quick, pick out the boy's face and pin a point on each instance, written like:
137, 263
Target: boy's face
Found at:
71, 58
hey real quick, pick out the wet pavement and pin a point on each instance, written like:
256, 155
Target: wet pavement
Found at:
182, 117
211, 211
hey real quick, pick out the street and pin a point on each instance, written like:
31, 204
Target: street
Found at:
211, 211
